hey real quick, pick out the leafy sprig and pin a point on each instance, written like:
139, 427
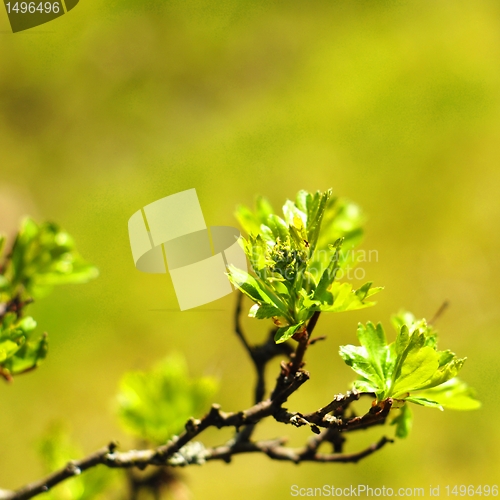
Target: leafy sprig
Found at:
295, 260
410, 369
42, 256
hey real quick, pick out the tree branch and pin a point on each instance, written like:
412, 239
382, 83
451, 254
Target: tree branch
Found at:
259, 354
181, 451
274, 449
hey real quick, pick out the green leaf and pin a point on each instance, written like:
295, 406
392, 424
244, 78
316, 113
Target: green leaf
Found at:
278, 226
403, 422
28, 356
402, 340
7, 349
446, 371
264, 208
410, 369
291, 213
247, 219
402, 318
252, 222
363, 385
321, 293
285, 333
418, 368
264, 311
315, 207
303, 200
344, 298
27, 324
43, 256
20, 350
247, 284
366, 290
358, 359
405, 344
453, 394
373, 339
257, 290
256, 250
424, 402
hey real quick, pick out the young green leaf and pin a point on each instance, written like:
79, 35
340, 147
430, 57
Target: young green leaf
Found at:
32, 352
341, 297
359, 360
403, 422
285, 333
453, 394
321, 293
411, 369
424, 402
294, 263
418, 368
264, 311
373, 339
257, 290
43, 255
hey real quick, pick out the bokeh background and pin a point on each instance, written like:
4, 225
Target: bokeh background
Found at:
393, 104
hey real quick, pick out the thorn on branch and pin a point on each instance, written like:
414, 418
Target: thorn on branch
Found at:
317, 339
439, 312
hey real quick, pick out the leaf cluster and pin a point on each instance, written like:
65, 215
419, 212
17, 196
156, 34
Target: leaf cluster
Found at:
42, 255
294, 263
410, 369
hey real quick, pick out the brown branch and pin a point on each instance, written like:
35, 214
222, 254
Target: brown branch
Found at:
298, 358
377, 415
439, 312
181, 450
339, 403
176, 453
295, 365
15, 305
73, 468
259, 354
274, 450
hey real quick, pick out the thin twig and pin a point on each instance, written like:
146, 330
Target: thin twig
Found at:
274, 450
175, 453
439, 312
298, 357
237, 324
169, 453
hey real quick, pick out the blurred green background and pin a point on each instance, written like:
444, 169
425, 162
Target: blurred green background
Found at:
393, 104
